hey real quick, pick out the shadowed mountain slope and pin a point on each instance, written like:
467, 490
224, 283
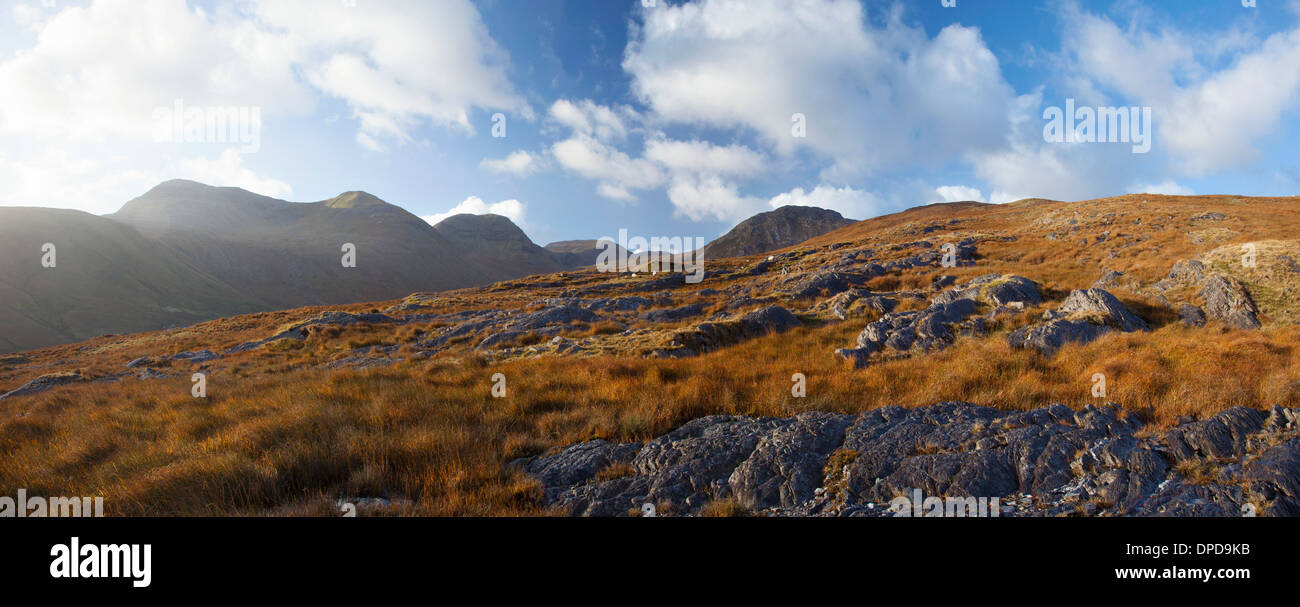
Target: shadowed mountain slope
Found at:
107, 278
578, 253
498, 246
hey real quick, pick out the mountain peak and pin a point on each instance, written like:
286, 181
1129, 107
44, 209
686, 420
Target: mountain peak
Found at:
487, 226
776, 229
354, 200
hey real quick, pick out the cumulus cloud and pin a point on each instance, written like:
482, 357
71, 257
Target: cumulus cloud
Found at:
591, 148
959, 193
99, 183
1209, 118
80, 82
704, 157
1213, 96
617, 172
1168, 188
512, 209
849, 202
95, 75
59, 178
1031, 167
585, 117
699, 177
874, 98
710, 197
519, 163
398, 63
228, 170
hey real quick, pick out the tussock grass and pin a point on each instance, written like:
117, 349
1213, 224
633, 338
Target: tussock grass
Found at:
431, 433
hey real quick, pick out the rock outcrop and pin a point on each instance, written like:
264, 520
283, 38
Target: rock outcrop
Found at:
43, 383
995, 290
1047, 462
1226, 299
1085, 316
299, 330
947, 317
709, 336
854, 303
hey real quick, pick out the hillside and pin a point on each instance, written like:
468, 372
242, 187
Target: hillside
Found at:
958, 345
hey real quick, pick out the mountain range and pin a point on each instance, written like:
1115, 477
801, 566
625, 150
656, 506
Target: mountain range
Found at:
185, 252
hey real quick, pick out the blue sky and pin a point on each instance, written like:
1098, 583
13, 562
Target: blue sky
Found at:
665, 120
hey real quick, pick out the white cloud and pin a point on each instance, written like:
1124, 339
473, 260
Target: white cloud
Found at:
1031, 167
228, 170
1210, 119
874, 98
586, 117
1213, 98
849, 202
702, 157
1168, 188
29, 16
617, 172
700, 177
519, 163
710, 197
397, 63
959, 193
512, 209
81, 82
54, 177
99, 182
95, 74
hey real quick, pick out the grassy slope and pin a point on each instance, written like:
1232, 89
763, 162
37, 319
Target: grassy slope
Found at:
279, 434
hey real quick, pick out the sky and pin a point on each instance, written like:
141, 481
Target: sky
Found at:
578, 118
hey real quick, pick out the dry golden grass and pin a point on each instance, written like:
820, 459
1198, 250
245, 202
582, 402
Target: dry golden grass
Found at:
432, 433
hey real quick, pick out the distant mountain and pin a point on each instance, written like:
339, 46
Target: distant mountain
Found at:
107, 278
282, 254
186, 252
778, 229
500, 248
578, 253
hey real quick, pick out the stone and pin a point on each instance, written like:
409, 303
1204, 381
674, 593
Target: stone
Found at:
1191, 315
43, 383
1227, 300
674, 314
